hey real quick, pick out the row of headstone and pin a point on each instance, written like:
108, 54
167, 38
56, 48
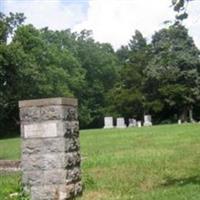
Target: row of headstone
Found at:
108, 122
182, 122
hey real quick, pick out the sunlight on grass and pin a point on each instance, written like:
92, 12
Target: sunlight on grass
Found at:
152, 163
10, 149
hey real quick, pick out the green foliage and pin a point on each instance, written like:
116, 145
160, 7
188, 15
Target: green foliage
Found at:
180, 7
44, 63
100, 63
175, 69
178, 4
8, 24
160, 77
128, 96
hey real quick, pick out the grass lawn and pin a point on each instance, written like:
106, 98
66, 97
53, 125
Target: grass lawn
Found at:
10, 149
150, 163
9, 183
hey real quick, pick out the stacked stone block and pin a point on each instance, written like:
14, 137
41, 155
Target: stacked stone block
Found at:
50, 148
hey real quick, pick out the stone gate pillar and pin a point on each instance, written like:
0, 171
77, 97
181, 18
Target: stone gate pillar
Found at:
50, 148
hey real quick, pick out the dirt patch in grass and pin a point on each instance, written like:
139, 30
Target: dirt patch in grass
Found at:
10, 165
147, 185
97, 195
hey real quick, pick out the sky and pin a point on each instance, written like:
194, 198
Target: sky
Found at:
113, 21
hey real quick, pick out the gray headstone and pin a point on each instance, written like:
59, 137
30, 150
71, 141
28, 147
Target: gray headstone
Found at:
121, 123
132, 122
50, 148
108, 122
147, 120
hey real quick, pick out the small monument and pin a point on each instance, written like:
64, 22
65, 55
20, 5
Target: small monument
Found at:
132, 123
179, 122
108, 122
139, 124
147, 120
50, 148
121, 123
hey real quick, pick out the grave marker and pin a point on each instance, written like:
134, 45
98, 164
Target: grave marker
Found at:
108, 122
147, 120
139, 124
132, 123
121, 123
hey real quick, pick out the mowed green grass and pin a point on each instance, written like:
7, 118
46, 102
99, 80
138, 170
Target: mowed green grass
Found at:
9, 184
149, 163
10, 149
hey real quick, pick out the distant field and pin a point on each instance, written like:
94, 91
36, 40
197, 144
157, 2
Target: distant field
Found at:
152, 163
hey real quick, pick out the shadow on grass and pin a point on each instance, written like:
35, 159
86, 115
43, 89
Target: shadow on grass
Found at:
9, 136
10, 132
181, 181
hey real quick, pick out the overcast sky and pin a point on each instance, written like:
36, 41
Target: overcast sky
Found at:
112, 21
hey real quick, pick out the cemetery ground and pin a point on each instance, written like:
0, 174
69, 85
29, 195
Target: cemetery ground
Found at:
148, 163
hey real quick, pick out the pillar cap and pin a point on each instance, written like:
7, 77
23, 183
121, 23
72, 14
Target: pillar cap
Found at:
48, 102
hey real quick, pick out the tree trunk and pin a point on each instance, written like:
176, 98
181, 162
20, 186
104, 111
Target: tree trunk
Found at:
191, 114
184, 114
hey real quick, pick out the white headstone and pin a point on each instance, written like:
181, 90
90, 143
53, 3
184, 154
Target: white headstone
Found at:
121, 123
147, 120
132, 123
139, 124
108, 122
179, 121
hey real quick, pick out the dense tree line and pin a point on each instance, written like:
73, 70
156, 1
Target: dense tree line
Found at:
44, 63
160, 77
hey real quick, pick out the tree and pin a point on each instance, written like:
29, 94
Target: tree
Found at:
11, 58
100, 64
40, 63
173, 72
8, 24
123, 54
128, 96
31, 68
180, 7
